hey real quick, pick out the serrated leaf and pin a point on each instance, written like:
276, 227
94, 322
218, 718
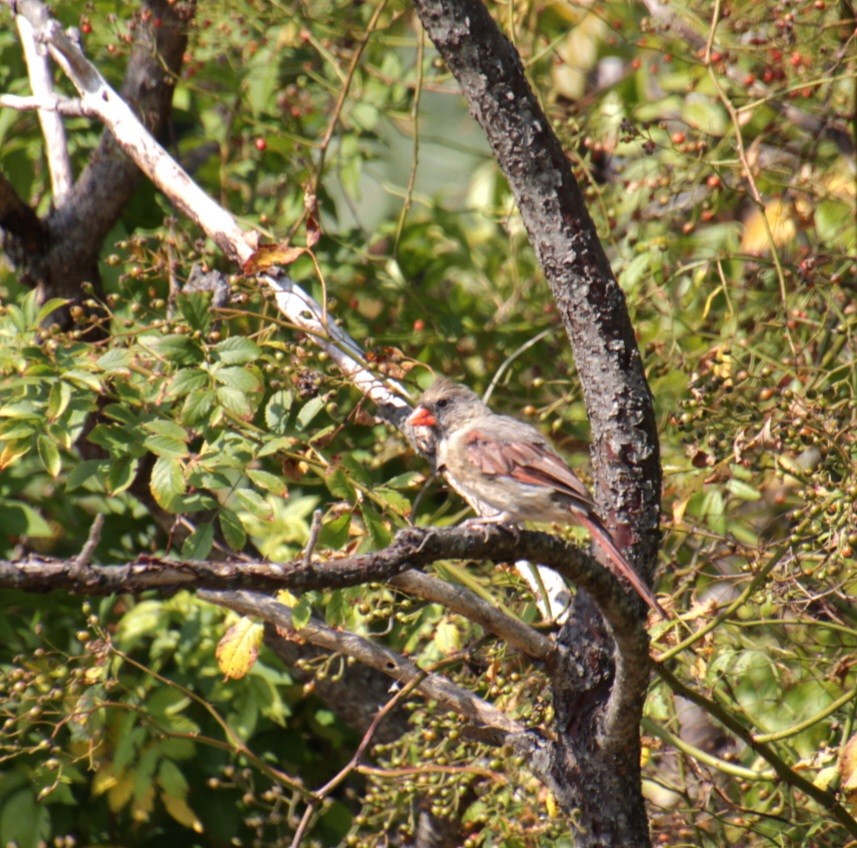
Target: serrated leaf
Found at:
49, 455
378, 532
334, 534
197, 407
408, 480
167, 482
254, 503
84, 378
235, 401
239, 378
339, 485
233, 530
187, 380
277, 444
237, 350
338, 609
198, 545
181, 350
238, 648
309, 411
393, 500
270, 482
166, 447
195, 308
278, 409
115, 359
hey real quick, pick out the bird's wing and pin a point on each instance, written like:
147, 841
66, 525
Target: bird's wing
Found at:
527, 460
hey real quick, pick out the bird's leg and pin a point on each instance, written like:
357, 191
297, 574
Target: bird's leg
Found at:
501, 519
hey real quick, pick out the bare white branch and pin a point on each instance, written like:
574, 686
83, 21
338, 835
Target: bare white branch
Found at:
56, 149
56, 103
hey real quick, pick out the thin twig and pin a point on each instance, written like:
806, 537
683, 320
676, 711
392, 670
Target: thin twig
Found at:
92, 540
320, 794
312, 541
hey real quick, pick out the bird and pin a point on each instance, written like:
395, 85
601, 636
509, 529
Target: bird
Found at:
508, 472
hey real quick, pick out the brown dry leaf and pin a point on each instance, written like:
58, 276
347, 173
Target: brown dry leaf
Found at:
267, 255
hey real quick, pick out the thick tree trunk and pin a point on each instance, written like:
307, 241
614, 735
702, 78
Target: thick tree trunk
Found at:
598, 693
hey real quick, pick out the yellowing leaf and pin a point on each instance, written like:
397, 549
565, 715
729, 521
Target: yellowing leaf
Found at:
105, 778
781, 220
120, 793
178, 808
239, 647
447, 638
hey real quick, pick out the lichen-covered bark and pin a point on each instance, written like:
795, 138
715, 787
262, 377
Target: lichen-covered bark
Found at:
598, 694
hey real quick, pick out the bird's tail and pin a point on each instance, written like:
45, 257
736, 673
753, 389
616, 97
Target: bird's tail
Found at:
621, 566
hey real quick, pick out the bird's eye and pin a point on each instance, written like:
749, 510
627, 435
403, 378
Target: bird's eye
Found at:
443, 402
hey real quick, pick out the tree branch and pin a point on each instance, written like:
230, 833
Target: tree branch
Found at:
413, 547
375, 656
38, 69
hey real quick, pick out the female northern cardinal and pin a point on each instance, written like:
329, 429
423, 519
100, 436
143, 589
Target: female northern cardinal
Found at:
508, 472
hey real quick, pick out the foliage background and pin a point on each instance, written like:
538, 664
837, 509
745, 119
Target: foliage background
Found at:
719, 167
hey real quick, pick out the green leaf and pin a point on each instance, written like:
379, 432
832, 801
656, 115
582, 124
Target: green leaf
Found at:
238, 378
392, 500
301, 613
378, 531
187, 380
24, 822
49, 455
181, 350
339, 485
237, 350
50, 306
121, 474
309, 411
743, 490
334, 534
277, 410
83, 471
233, 530
20, 519
116, 359
172, 780
198, 545
235, 401
167, 482
254, 503
198, 408
195, 308
58, 399
270, 482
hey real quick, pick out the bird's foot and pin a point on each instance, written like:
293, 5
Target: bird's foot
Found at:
502, 520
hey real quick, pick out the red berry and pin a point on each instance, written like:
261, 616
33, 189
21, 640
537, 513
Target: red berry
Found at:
261, 144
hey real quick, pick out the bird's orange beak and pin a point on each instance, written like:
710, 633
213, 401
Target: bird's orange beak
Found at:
421, 417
